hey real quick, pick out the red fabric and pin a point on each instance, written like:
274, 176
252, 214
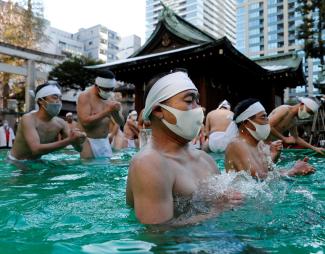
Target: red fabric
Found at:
7, 135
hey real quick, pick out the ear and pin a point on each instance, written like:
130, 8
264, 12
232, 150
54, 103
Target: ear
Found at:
157, 112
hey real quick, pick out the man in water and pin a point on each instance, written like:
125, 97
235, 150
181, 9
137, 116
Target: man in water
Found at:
131, 131
7, 135
38, 131
69, 119
167, 169
247, 151
95, 108
284, 118
219, 127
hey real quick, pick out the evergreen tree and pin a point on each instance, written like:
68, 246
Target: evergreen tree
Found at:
72, 74
312, 28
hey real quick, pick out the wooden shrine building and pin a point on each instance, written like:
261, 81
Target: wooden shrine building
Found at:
217, 69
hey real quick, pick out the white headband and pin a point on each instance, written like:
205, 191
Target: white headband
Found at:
46, 91
165, 88
224, 104
250, 111
311, 104
105, 82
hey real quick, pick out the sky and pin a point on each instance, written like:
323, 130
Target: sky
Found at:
126, 17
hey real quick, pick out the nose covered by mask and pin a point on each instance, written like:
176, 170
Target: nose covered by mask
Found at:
105, 95
188, 123
53, 109
303, 114
261, 131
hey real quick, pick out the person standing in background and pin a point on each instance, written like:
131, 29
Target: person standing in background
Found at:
7, 135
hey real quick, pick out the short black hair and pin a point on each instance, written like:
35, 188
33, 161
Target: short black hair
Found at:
105, 74
242, 106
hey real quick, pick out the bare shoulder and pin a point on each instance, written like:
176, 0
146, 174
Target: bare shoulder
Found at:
29, 118
84, 96
236, 146
145, 161
208, 159
280, 111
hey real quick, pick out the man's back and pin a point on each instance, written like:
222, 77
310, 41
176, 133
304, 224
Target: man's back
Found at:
218, 120
282, 119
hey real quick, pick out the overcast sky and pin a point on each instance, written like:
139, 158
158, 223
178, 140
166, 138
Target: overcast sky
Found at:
125, 17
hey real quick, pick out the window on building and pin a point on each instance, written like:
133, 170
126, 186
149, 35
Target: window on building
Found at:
90, 43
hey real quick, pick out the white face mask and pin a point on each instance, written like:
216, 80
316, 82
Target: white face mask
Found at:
261, 131
188, 123
303, 114
106, 95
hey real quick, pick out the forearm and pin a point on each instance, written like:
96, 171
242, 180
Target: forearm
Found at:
277, 134
301, 142
41, 149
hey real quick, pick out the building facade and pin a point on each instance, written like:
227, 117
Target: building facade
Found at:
269, 27
217, 17
61, 43
128, 45
95, 41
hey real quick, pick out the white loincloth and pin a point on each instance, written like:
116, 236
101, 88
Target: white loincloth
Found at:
100, 147
219, 140
131, 143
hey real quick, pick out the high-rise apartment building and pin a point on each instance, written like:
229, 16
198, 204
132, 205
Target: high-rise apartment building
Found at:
128, 45
61, 43
267, 27
217, 17
99, 42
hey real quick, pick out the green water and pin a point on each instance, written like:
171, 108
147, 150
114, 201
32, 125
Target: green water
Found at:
64, 205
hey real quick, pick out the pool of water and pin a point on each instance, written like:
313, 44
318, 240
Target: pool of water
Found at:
64, 205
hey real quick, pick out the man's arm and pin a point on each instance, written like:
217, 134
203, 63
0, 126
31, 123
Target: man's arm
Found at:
84, 111
66, 132
32, 138
151, 191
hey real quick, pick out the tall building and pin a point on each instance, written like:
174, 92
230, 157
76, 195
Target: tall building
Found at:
95, 40
217, 17
61, 43
269, 27
128, 45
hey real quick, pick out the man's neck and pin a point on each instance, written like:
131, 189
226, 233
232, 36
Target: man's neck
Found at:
294, 109
247, 137
164, 140
43, 115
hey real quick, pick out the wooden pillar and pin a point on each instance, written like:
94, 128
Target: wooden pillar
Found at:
139, 95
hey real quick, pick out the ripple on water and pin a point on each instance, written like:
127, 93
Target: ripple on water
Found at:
70, 177
119, 246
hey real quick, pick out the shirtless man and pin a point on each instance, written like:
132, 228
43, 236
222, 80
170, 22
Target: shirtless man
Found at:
247, 151
131, 131
95, 108
38, 131
69, 119
219, 128
167, 169
284, 118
